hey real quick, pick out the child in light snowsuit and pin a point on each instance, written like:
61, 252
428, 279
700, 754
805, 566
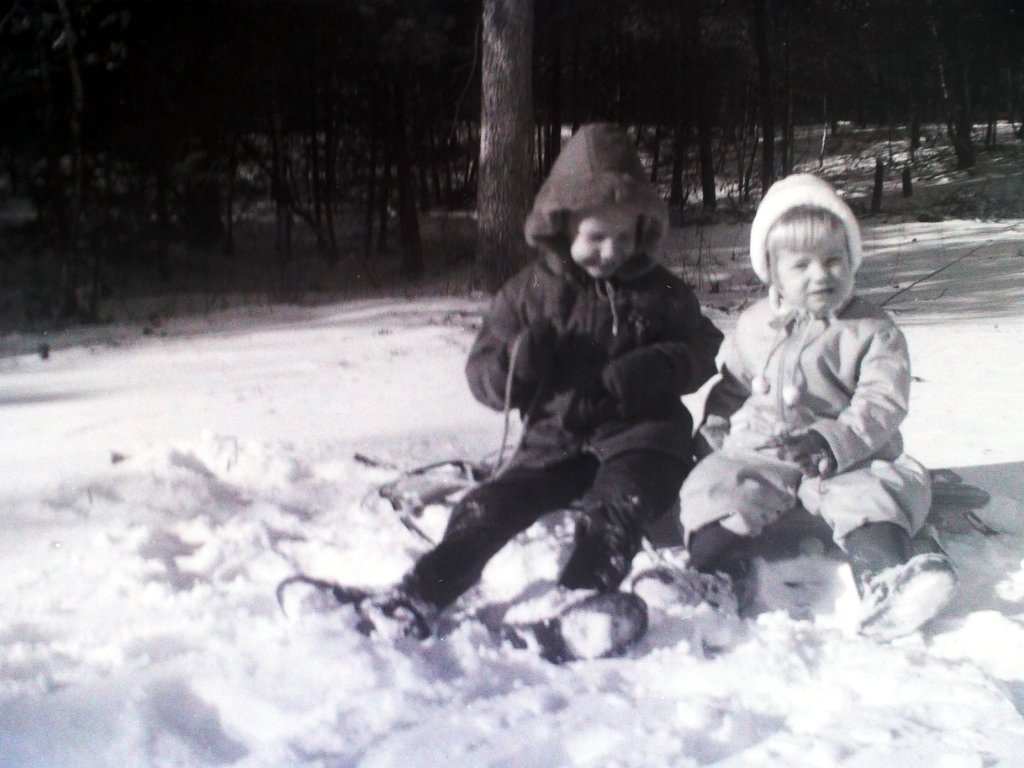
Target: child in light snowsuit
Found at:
815, 383
595, 342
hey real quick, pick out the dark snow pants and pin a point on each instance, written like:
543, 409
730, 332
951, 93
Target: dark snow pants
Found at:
618, 496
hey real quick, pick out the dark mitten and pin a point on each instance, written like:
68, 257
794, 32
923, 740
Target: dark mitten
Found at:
811, 452
535, 355
637, 378
590, 410
601, 558
710, 547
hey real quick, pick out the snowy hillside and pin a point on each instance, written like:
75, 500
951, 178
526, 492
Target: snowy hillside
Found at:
155, 487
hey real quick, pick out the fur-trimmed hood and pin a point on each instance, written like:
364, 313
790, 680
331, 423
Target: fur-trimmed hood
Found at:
598, 165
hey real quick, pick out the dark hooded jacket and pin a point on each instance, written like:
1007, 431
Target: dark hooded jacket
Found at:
642, 314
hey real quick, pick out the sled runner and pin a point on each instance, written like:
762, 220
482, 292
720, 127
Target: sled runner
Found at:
300, 594
413, 490
793, 566
559, 627
442, 482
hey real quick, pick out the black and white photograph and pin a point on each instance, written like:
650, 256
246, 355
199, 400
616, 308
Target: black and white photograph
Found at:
511, 383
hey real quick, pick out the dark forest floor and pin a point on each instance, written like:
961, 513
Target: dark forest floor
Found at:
204, 280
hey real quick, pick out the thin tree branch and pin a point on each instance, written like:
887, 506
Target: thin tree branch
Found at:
7, 16
941, 269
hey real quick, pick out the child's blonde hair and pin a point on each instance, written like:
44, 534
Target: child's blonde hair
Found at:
806, 228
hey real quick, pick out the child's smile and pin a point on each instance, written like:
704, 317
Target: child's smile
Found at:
604, 241
815, 280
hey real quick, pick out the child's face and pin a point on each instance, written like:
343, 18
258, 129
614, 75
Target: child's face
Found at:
604, 241
817, 280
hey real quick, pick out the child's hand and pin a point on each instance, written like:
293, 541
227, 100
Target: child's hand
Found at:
811, 452
535, 355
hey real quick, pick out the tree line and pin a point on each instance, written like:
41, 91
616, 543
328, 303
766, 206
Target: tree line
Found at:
134, 125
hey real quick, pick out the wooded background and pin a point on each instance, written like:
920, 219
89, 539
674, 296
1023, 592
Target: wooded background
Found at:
146, 135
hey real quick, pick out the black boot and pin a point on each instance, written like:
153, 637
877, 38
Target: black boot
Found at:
900, 592
601, 558
712, 548
873, 548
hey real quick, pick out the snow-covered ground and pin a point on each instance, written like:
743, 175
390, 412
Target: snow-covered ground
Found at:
155, 488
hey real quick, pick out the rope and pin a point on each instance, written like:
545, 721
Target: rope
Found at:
507, 406
475, 473
932, 274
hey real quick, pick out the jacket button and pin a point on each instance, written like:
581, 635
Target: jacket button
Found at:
759, 385
790, 394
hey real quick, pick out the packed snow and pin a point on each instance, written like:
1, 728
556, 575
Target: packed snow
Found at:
159, 482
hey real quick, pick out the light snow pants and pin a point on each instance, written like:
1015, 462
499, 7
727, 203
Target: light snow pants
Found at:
746, 491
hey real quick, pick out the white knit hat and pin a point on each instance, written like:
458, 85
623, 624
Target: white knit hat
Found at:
799, 190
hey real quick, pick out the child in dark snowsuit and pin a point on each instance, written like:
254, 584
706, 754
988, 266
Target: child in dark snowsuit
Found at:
600, 342
815, 383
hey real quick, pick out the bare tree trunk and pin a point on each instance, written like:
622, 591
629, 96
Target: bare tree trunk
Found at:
435, 171
656, 153
70, 278
767, 105
422, 175
787, 119
681, 118
618, 56
1011, 100
679, 155
163, 222
824, 131
451, 147
747, 138
371, 199
709, 194
282, 204
542, 142
915, 128
554, 132
330, 175
955, 95
750, 165
12, 165
408, 221
695, 65
876, 191
315, 175
991, 136
384, 199
506, 182
574, 67
473, 158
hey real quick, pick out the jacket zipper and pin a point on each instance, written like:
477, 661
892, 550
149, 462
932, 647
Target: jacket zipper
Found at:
591, 323
780, 402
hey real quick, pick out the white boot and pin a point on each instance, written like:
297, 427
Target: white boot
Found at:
900, 600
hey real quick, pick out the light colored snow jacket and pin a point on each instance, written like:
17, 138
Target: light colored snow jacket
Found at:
846, 376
